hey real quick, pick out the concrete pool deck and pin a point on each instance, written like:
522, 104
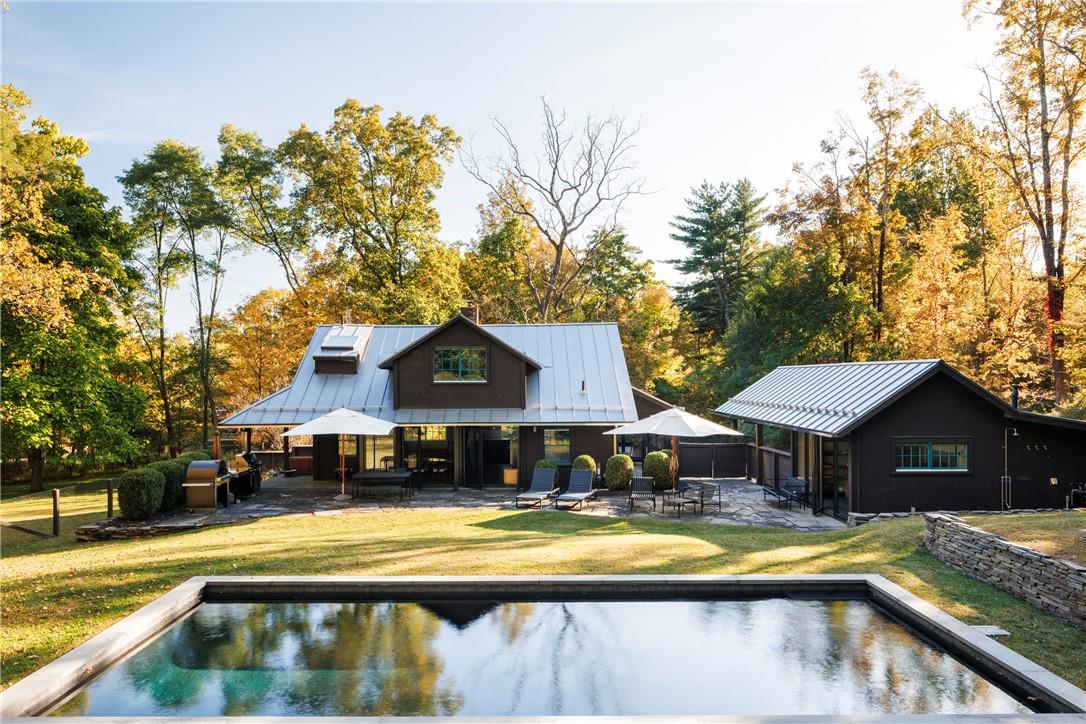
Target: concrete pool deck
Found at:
41, 690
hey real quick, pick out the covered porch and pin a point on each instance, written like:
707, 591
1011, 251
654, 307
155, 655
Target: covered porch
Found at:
436, 456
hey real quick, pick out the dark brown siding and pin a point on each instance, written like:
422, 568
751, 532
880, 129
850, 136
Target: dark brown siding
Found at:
941, 407
647, 405
586, 441
326, 457
413, 376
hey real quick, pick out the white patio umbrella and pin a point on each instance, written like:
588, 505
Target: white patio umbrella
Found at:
675, 422
342, 422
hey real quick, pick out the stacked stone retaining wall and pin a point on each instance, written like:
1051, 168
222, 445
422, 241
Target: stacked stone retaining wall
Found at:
1055, 585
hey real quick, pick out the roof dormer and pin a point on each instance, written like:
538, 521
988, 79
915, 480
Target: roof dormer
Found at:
340, 350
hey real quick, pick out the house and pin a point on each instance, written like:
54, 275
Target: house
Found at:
473, 404
871, 437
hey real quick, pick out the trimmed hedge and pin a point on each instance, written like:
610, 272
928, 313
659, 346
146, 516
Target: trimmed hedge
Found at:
547, 464
139, 493
657, 465
584, 462
174, 472
618, 472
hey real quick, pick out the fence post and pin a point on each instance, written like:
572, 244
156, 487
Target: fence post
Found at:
56, 512
109, 498
759, 472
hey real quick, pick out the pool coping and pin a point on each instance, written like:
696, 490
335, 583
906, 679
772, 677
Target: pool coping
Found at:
39, 691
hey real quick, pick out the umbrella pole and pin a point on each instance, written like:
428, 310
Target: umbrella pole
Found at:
342, 472
674, 462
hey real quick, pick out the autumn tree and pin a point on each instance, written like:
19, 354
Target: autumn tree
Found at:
66, 252
1034, 100
879, 161
571, 195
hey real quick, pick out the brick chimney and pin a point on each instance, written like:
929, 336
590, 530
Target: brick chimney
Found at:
470, 313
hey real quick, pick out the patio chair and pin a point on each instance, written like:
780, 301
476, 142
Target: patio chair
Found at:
642, 489
541, 489
578, 491
686, 493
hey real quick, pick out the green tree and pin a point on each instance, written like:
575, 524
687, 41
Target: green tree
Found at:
170, 192
249, 181
797, 311
62, 401
369, 186
721, 233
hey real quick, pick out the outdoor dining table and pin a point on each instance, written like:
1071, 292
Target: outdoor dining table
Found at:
382, 479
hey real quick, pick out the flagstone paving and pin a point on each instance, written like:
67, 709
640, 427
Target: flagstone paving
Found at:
741, 504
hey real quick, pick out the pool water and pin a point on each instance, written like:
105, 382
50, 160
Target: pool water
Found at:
772, 656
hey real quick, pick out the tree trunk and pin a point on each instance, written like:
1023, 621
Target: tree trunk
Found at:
36, 458
1054, 302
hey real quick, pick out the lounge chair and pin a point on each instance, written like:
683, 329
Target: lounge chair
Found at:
541, 489
642, 489
578, 491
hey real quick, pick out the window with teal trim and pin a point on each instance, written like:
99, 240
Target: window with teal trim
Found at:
933, 456
460, 364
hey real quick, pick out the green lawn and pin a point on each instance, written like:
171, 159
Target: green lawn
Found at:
58, 593
1062, 535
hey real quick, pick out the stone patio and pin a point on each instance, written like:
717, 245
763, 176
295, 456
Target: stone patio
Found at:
742, 504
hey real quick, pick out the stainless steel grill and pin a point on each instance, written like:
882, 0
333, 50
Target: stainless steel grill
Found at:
207, 485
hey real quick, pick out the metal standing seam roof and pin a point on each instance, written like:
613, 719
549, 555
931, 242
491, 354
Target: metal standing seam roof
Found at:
828, 399
568, 354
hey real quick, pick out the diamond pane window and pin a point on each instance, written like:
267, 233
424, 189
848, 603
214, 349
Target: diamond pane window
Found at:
460, 364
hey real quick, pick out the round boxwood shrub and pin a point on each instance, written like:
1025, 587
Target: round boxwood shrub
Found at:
657, 466
139, 493
174, 472
618, 472
546, 463
584, 462
199, 455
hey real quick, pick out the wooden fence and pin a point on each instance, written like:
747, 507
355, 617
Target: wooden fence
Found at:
734, 460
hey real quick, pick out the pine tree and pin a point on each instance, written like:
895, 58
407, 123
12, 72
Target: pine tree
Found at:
721, 233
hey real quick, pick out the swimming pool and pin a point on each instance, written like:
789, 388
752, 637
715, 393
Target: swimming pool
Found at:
535, 647
483, 658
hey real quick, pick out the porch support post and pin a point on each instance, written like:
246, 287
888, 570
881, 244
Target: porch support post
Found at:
286, 450
759, 473
248, 440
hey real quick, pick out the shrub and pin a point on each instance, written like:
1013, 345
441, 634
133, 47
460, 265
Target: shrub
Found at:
174, 473
619, 472
199, 455
657, 466
584, 462
139, 493
546, 463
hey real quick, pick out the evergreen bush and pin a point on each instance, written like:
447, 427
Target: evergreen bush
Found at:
174, 473
139, 493
657, 466
584, 462
618, 472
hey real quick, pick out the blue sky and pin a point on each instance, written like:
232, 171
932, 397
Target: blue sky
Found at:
721, 90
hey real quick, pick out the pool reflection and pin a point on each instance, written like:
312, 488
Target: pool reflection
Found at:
484, 658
